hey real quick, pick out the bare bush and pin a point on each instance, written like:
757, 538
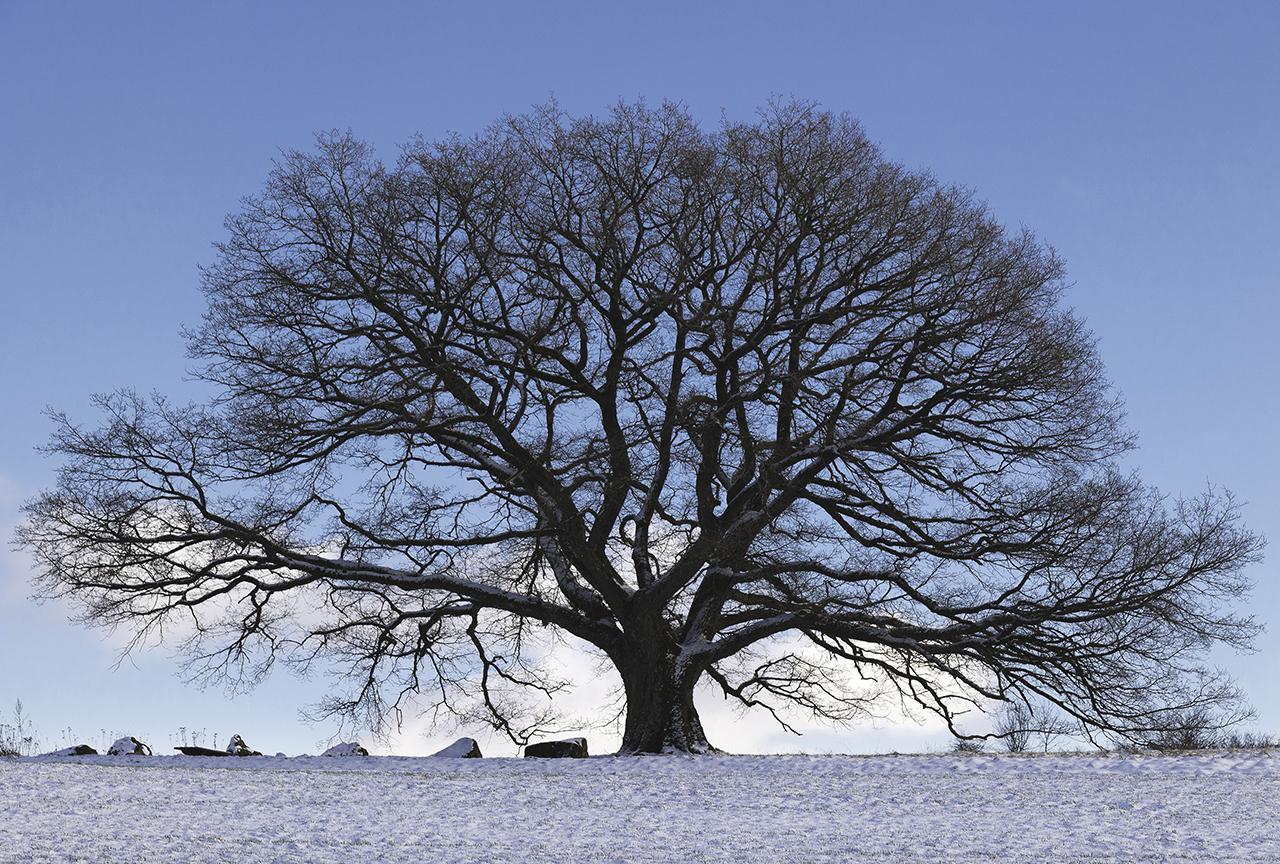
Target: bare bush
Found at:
1249, 741
20, 739
1192, 729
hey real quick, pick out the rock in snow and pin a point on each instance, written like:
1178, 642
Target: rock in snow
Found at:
78, 750
129, 746
201, 751
463, 748
351, 748
237, 747
570, 748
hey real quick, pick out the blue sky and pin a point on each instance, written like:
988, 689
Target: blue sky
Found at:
1140, 139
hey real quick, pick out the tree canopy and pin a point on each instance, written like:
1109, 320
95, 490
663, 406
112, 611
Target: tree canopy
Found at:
754, 409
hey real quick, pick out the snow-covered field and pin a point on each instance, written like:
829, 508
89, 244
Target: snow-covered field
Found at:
1223, 807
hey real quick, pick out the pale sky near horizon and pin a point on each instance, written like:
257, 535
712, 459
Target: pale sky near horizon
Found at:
1140, 139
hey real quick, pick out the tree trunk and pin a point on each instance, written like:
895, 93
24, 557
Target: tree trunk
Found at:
661, 717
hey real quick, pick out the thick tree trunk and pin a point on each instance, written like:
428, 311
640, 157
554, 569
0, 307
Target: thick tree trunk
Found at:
661, 717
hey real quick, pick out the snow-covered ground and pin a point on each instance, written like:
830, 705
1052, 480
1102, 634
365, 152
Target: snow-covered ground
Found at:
1223, 807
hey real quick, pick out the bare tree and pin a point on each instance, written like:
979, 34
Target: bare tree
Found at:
756, 409
1017, 722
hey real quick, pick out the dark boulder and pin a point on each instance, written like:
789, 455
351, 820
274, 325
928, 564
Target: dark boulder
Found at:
570, 748
201, 751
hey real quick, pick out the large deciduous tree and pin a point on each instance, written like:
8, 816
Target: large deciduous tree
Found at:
755, 409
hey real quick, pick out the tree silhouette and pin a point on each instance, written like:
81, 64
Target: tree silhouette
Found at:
754, 409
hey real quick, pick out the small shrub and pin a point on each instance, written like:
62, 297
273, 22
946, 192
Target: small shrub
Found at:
1186, 738
1249, 741
1194, 729
1015, 725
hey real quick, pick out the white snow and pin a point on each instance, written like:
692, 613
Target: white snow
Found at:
606, 809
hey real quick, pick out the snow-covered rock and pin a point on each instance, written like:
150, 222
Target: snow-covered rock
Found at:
351, 748
569, 748
237, 747
463, 748
129, 746
78, 750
